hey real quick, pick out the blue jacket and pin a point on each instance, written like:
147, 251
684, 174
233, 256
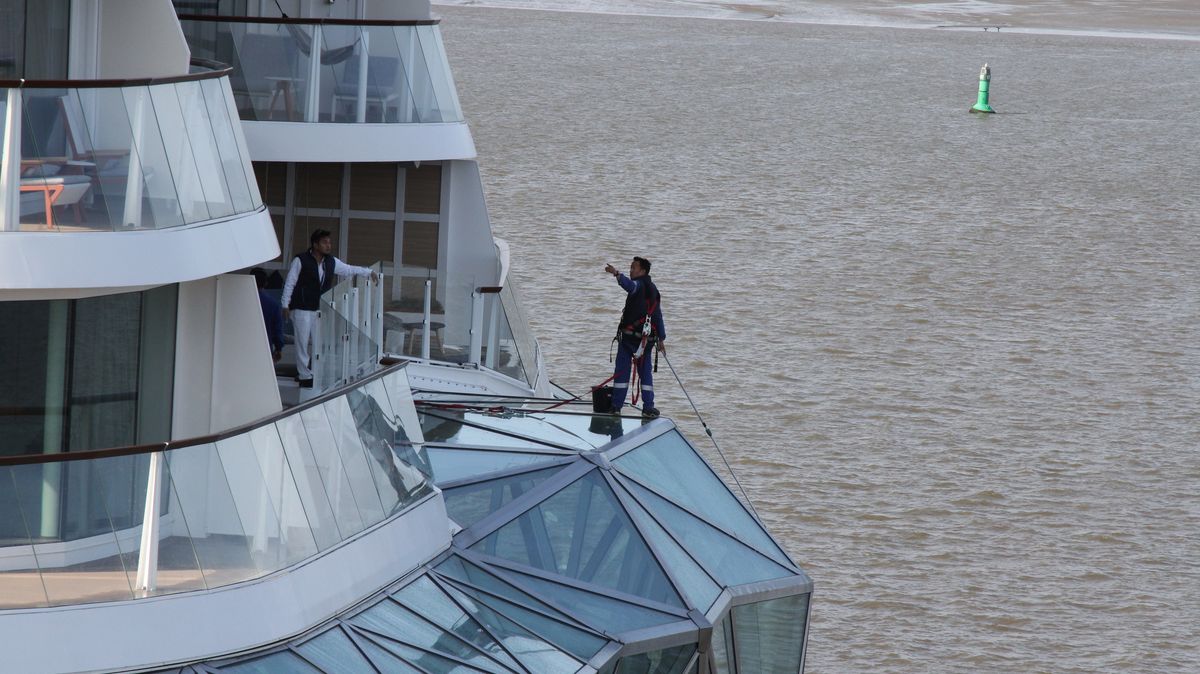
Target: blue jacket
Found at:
273, 318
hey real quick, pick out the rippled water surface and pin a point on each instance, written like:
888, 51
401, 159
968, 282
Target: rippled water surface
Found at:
952, 357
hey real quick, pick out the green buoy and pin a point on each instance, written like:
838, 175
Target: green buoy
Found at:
985, 78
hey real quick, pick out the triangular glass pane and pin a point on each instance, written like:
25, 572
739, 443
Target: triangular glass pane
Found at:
529, 426
470, 503
700, 589
611, 615
583, 533
458, 464
282, 662
445, 431
535, 653
733, 562
522, 607
334, 653
672, 660
427, 600
669, 465
384, 660
596, 430
434, 664
396, 622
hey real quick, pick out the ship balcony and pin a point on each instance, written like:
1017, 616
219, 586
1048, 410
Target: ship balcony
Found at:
337, 89
135, 157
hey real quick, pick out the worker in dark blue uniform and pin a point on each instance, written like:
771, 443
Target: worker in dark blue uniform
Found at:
636, 339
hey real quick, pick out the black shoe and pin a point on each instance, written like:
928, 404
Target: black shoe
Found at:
305, 383
650, 413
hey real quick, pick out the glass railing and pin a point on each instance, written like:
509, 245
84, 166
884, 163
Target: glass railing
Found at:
351, 331
475, 326
194, 515
313, 70
122, 155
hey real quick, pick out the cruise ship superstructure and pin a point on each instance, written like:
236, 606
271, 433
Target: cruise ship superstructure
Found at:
170, 500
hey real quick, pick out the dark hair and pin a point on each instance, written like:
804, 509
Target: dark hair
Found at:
260, 276
643, 263
318, 235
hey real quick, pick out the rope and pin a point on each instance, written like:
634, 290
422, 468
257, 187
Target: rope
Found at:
571, 400
709, 432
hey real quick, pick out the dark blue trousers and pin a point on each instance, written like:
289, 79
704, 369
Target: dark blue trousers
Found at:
625, 350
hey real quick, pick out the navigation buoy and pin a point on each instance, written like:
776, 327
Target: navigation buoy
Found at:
985, 78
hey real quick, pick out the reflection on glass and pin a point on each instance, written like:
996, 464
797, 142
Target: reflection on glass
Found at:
769, 635
722, 647
470, 503
296, 539
669, 465
310, 482
450, 465
667, 661
425, 599
334, 475
693, 581
582, 532
334, 652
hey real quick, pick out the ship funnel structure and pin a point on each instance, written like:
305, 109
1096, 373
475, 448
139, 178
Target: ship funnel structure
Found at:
985, 79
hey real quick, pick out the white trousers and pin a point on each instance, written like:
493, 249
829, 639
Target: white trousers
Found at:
308, 334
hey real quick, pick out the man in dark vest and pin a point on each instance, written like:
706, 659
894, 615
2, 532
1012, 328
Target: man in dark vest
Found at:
311, 275
640, 331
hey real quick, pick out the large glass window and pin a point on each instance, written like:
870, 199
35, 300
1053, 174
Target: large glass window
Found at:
33, 39
87, 374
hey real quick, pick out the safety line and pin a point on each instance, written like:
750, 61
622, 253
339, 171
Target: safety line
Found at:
713, 438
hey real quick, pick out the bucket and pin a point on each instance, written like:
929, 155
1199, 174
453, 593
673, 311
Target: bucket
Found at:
602, 399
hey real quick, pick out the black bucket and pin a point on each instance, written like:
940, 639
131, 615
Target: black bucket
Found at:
602, 399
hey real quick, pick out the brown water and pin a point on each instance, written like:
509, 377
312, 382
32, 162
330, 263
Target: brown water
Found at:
952, 357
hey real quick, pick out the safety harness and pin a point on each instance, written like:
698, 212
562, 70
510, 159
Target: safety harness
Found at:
643, 327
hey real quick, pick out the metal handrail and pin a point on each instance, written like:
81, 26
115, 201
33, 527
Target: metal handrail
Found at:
215, 70
309, 21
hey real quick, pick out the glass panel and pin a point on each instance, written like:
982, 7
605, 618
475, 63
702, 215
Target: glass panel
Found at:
232, 164
437, 428
20, 578
393, 620
529, 426
667, 661
384, 660
205, 500
272, 68
470, 503
399, 483
456, 464
281, 662
310, 477
400, 394
150, 199
534, 652
358, 469
202, 139
732, 562
101, 130
582, 532
295, 539
531, 613
428, 662
179, 566
423, 101
333, 474
700, 589
180, 156
500, 352
669, 465
722, 647
333, 652
768, 635
88, 564
597, 430
612, 615
429, 602
254, 508
239, 137
430, 38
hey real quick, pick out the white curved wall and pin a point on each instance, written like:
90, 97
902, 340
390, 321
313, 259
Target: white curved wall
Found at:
329, 142
55, 265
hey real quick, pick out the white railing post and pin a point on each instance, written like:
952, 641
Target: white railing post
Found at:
476, 327
312, 106
132, 215
10, 164
363, 53
353, 326
493, 337
345, 338
147, 569
377, 293
426, 321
